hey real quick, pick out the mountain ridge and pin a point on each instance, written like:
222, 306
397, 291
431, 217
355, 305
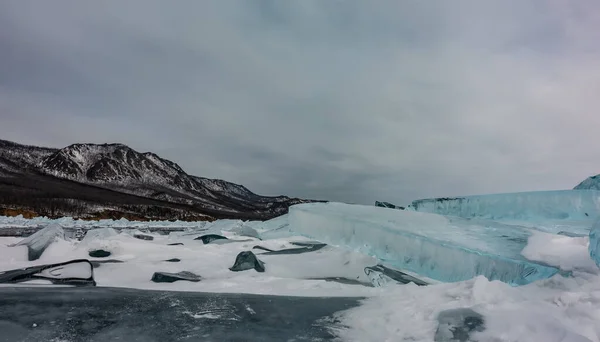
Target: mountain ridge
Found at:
118, 168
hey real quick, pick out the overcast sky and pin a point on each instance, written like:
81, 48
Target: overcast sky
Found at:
351, 101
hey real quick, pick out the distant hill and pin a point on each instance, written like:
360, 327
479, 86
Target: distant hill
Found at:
114, 181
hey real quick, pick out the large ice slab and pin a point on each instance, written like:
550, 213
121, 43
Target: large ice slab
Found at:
275, 228
442, 248
594, 246
571, 211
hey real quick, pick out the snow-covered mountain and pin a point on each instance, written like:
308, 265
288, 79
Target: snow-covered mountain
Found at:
121, 169
590, 183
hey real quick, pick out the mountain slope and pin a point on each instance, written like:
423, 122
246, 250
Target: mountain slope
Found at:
122, 171
590, 183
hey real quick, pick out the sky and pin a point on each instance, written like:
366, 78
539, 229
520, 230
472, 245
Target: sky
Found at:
351, 101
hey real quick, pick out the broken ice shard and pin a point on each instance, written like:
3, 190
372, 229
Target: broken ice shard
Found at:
247, 261
438, 247
165, 277
381, 276
594, 246
38, 242
571, 211
74, 272
388, 205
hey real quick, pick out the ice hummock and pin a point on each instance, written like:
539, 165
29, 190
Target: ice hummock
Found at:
590, 183
570, 211
594, 246
438, 247
99, 234
275, 228
38, 242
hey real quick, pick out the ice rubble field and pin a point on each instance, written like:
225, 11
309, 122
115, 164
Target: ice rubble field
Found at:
69, 222
563, 307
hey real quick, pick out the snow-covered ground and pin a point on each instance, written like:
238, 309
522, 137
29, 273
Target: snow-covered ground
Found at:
284, 274
563, 308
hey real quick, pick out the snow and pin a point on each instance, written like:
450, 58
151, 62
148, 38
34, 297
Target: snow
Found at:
441, 248
572, 211
284, 275
568, 253
554, 310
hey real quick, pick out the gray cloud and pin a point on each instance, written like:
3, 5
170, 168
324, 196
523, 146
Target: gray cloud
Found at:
343, 100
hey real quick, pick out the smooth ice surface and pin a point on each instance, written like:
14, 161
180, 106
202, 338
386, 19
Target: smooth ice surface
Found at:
441, 248
594, 247
572, 211
111, 314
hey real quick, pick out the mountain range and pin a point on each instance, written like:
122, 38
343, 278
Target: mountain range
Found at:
114, 181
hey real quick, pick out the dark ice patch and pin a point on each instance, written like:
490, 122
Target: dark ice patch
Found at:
98, 263
143, 237
165, 277
175, 244
306, 243
342, 280
247, 261
380, 275
208, 238
300, 250
458, 325
570, 234
12, 331
99, 253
